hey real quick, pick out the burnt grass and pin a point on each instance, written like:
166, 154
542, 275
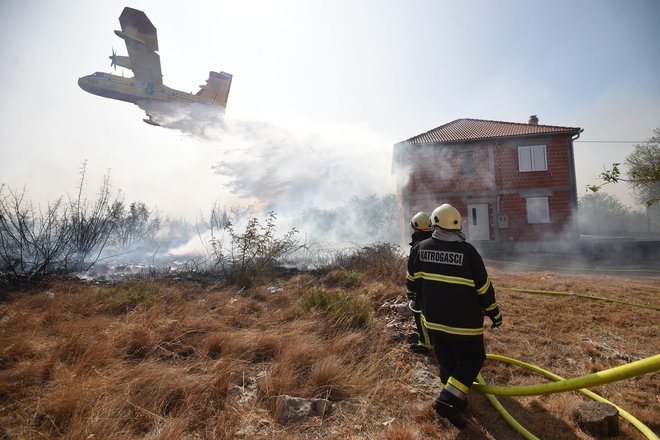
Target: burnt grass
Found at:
164, 358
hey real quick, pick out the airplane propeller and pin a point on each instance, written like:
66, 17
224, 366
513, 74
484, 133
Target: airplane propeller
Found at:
113, 59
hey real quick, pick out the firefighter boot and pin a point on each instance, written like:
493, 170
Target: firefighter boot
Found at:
419, 348
412, 338
462, 404
447, 405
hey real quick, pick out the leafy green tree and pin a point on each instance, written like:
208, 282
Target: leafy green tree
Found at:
643, 171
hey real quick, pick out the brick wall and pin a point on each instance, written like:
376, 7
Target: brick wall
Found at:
436, 177
507, 171
437, 170
515, 207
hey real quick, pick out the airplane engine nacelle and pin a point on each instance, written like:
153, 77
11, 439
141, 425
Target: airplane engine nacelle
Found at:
121, 61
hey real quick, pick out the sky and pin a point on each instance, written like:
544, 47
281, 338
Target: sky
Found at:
321, 91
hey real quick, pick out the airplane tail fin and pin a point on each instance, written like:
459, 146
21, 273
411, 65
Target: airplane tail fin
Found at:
216, 89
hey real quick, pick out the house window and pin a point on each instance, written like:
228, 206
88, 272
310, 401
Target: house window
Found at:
532, 158
467, 163
538, 210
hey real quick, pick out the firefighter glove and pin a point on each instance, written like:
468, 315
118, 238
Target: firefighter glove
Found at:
497, 321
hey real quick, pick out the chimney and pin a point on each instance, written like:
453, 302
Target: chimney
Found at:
533, 120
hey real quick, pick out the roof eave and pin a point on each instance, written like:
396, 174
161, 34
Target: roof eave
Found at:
491, 138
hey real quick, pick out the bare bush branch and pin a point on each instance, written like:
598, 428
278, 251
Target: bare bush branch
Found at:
63, 238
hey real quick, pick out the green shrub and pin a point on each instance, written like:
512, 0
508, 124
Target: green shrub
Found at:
129, 294
247, 257
346, 279
338, 305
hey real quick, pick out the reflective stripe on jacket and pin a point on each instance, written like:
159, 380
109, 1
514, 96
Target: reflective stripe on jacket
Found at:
452, 287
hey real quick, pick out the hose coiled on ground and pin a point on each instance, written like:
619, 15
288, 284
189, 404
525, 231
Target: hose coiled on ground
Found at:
622, 372
633, 369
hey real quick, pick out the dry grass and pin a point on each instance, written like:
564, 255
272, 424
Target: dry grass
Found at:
158, 360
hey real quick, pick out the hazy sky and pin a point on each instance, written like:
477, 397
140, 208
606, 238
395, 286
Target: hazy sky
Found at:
321, 90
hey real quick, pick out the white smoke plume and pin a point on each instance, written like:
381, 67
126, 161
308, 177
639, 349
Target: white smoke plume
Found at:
309, 173
284, 162
196, 120
291, 166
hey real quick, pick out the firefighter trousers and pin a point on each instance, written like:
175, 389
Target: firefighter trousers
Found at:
461, 359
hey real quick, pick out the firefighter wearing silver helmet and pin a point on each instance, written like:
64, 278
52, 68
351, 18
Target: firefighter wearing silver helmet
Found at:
455, 293
422, 229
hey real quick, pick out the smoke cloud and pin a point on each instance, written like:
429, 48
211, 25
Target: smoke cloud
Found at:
295, 167
196, 120
313, 175
286, 163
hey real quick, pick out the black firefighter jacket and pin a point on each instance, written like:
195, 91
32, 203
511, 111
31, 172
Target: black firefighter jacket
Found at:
416, 237
452, 287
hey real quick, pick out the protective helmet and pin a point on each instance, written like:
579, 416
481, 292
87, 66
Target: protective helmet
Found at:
447, 217
421, 222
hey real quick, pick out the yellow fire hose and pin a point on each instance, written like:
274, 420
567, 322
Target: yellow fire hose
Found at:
610, 375
576, 269
636, 368
622, 372
579, 295
520, 429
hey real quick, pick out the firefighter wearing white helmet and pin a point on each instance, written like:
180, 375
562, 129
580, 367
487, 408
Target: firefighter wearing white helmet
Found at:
422, 229
421, 222
455, 293
447, 217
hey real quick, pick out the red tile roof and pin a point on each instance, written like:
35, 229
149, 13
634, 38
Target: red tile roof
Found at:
475, 129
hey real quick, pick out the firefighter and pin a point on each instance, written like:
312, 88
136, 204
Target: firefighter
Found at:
455, 293
422, 229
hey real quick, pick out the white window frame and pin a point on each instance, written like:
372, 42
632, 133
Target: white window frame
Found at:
538, 210
532, 158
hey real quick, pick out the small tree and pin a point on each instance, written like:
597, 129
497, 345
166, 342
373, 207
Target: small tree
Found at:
90, 224
138, 222
643, 171
250, 255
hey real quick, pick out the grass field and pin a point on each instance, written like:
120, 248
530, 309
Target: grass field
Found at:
167, 359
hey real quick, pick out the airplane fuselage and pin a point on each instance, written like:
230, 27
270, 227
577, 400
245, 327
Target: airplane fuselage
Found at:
129, 90
145, 88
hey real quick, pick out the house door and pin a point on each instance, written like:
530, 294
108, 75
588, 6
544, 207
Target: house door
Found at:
478, 222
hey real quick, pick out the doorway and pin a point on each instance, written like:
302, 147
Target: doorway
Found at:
478, 222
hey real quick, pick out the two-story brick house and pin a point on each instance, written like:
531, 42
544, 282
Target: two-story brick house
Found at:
512, 182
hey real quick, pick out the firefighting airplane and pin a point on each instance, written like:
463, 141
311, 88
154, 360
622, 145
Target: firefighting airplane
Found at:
146, 88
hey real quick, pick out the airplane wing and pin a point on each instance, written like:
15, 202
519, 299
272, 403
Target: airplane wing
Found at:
142, 43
